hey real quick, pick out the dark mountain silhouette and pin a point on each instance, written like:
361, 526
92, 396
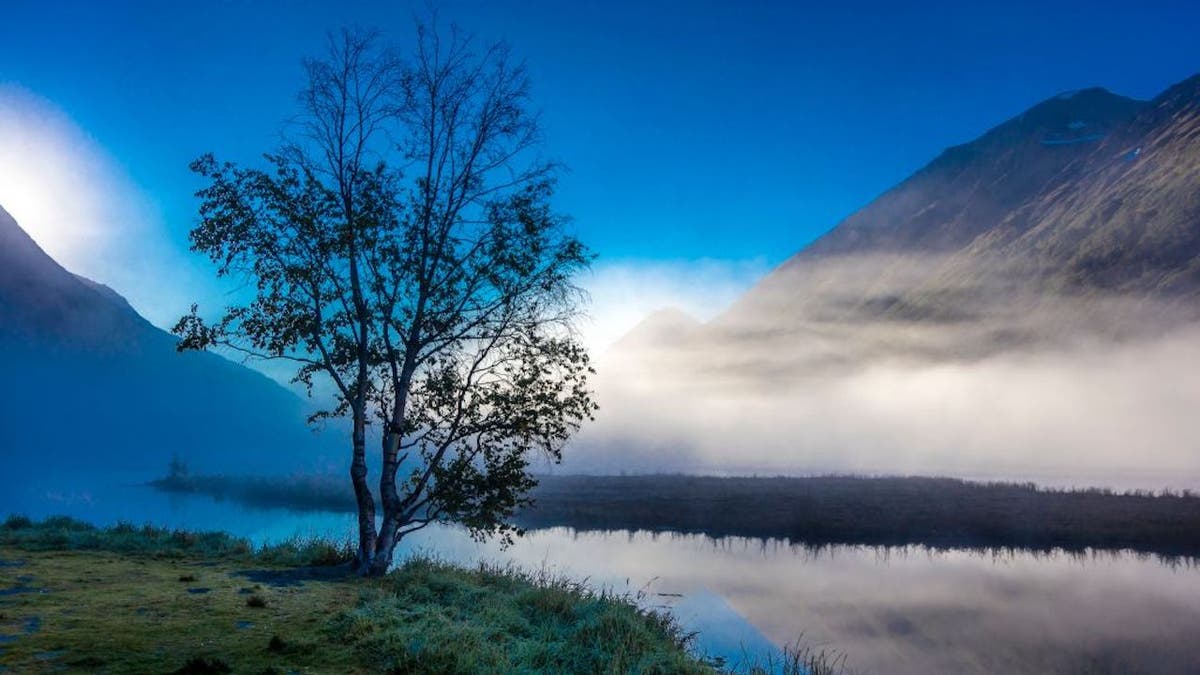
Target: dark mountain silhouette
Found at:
89, 385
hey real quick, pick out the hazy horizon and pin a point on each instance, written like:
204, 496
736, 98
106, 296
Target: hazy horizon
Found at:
692, 216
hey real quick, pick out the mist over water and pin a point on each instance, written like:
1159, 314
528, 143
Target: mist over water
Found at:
894, 365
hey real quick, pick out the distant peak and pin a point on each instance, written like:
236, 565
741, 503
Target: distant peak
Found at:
662, 326
1094, 106
1074, 117
1098, 92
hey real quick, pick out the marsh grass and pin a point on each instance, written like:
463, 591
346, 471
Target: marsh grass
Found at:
113, 602
491, 619
61, 533
797, 658
802, 659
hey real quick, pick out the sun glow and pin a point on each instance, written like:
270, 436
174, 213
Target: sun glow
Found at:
77, 202
53, 179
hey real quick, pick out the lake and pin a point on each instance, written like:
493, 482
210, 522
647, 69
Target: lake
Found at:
889, 610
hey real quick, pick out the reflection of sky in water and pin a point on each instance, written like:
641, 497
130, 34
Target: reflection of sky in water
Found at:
894, 611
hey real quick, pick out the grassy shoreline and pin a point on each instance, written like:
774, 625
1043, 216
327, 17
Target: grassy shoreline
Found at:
141, 599
814, 511
77, 598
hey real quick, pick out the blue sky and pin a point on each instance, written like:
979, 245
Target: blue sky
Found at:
712, 136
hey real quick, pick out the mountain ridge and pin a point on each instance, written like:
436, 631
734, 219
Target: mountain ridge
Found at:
950, 173
1075, 220
75, 350
1024, 216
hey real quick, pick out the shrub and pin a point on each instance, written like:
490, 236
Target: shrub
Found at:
17, 522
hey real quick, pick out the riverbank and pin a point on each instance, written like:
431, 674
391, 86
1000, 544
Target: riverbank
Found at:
939, 513
944, 513
139, 599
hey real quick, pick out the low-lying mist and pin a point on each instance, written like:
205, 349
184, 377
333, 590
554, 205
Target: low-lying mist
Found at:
1067, 390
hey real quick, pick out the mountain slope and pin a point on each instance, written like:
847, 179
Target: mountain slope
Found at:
1128, 219
970, 188
39, 300
89, 385
1024, 307
669, 325
1080, 215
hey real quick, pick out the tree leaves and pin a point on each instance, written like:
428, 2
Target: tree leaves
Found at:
442, 300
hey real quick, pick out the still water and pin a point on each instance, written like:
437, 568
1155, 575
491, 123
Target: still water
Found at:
906, 610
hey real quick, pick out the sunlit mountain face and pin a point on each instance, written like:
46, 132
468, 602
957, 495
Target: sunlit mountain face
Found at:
1020, 307
1033, 207
1085, 198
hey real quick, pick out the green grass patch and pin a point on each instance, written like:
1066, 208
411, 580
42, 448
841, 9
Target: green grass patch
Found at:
60, 533
431, 616
141, 599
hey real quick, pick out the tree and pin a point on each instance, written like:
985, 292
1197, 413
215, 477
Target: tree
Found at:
404, 254
177, 470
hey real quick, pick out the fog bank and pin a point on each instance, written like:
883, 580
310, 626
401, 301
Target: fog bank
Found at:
1088, 410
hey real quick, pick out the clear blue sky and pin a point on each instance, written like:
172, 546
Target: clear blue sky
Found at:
719, 130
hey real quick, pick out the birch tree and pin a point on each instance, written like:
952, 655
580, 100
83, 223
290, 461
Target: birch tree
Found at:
403, 253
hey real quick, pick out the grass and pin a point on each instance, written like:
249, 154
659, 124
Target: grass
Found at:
60, 533
430, 616
140, 599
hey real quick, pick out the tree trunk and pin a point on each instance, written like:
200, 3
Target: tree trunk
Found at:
384, 550
367, 541
392, 505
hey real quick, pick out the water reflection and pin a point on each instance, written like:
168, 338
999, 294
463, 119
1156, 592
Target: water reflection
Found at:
906, 610
914, 610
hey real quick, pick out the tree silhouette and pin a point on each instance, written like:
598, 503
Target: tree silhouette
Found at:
402, 249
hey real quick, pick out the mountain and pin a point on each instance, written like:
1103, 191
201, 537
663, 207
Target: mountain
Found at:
42, 303
1077, 219
661, 327
89, 385
1127, 216
970, 188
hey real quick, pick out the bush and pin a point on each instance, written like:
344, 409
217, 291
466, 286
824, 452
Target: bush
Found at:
16, 522
308, 552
